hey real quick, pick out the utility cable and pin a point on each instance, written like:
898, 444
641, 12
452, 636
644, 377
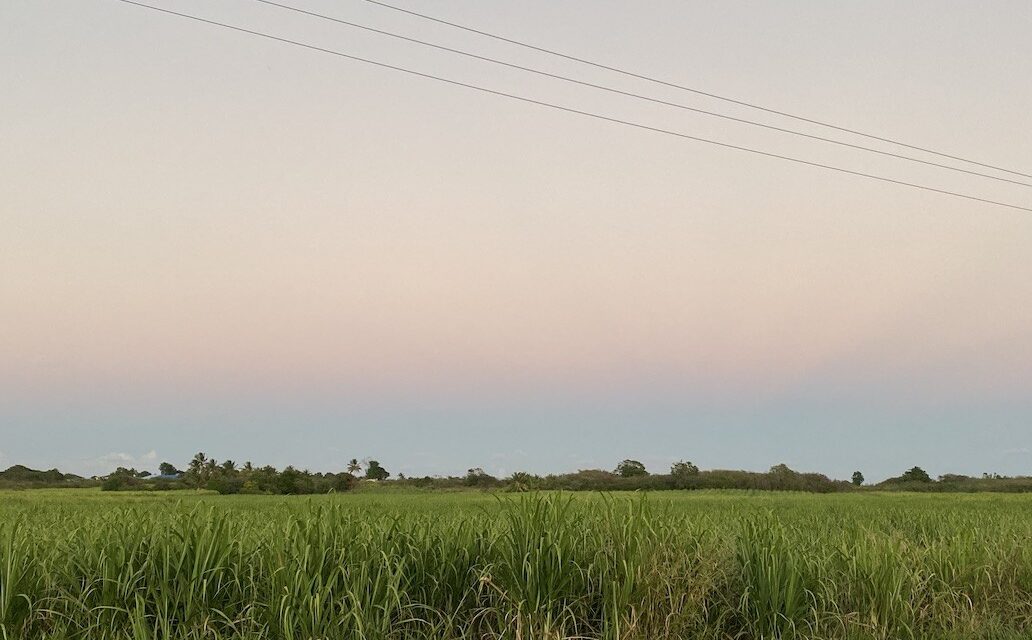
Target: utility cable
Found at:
700, 92
575, 111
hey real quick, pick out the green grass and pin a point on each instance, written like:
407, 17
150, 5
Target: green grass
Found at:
85, 564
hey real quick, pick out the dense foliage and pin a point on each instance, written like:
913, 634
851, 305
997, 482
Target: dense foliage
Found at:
226, 478
389, 565
20, 476
630, 475
955, 483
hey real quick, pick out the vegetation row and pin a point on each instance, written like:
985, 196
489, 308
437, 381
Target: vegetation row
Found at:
227, 477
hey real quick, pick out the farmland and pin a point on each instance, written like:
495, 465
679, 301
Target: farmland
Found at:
408, 564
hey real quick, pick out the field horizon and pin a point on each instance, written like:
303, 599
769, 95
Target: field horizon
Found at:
515, 320
228, 477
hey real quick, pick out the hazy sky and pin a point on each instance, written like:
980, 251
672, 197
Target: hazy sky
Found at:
213, 242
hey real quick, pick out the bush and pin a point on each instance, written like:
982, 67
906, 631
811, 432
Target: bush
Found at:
226, 485
114, 483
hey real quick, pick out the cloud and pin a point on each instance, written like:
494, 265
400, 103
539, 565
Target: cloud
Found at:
1017, 451
110, 461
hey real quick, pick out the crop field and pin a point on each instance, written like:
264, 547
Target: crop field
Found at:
381, 564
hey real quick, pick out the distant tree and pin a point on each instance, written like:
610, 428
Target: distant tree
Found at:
585, 479
478, 477
197, 463
114, 482
682, 469
916, 474
167, 469
684, 475
229, 467
858, 478
783, 478
196, 472
294, 482
225, 483
143, 474
120, 479
341, 482
631, 469
354, 466
375, 472
522, 481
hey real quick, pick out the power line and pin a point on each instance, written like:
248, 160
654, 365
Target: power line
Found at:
636, 95
572, 110
700, 92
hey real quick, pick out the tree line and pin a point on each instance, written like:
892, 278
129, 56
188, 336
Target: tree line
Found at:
227, 477
629, 475
632, 475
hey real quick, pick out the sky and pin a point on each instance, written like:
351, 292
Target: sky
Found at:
214, 242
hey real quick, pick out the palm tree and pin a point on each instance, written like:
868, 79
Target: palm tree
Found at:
198, 462
354, 466
195, 471
209, 467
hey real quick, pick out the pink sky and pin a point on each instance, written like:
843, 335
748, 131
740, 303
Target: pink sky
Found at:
190, 209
